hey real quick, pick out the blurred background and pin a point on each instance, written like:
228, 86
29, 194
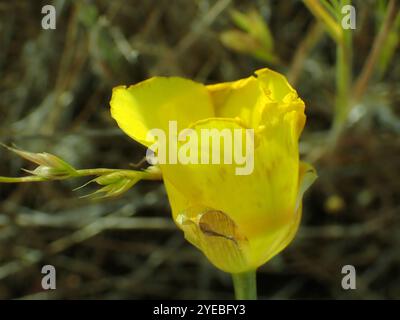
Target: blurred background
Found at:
55, 87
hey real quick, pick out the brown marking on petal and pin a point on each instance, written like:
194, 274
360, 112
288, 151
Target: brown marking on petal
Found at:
217, 235
219, 224
207, 230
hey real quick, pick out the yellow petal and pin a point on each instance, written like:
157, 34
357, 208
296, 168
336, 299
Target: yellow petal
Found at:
268, 95
280, 240
242, 99
283, 101
152, 103
307, 176
217, 236
276, 86
261, 204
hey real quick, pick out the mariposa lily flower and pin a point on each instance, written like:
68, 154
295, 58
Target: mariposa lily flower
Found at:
238, 221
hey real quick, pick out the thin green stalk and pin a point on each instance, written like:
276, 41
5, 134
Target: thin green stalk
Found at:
22, 179
148, 175
332, 26
78, 173
343, 80
373, 57
245, 285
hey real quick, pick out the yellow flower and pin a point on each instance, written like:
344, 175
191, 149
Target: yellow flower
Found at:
238, 221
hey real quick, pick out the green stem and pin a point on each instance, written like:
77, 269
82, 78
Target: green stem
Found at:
147, 175
22, 179
94, 172
332, 26
343, 81
245, 285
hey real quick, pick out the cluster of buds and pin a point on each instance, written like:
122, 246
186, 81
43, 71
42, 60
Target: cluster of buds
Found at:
113, 182
49, 166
